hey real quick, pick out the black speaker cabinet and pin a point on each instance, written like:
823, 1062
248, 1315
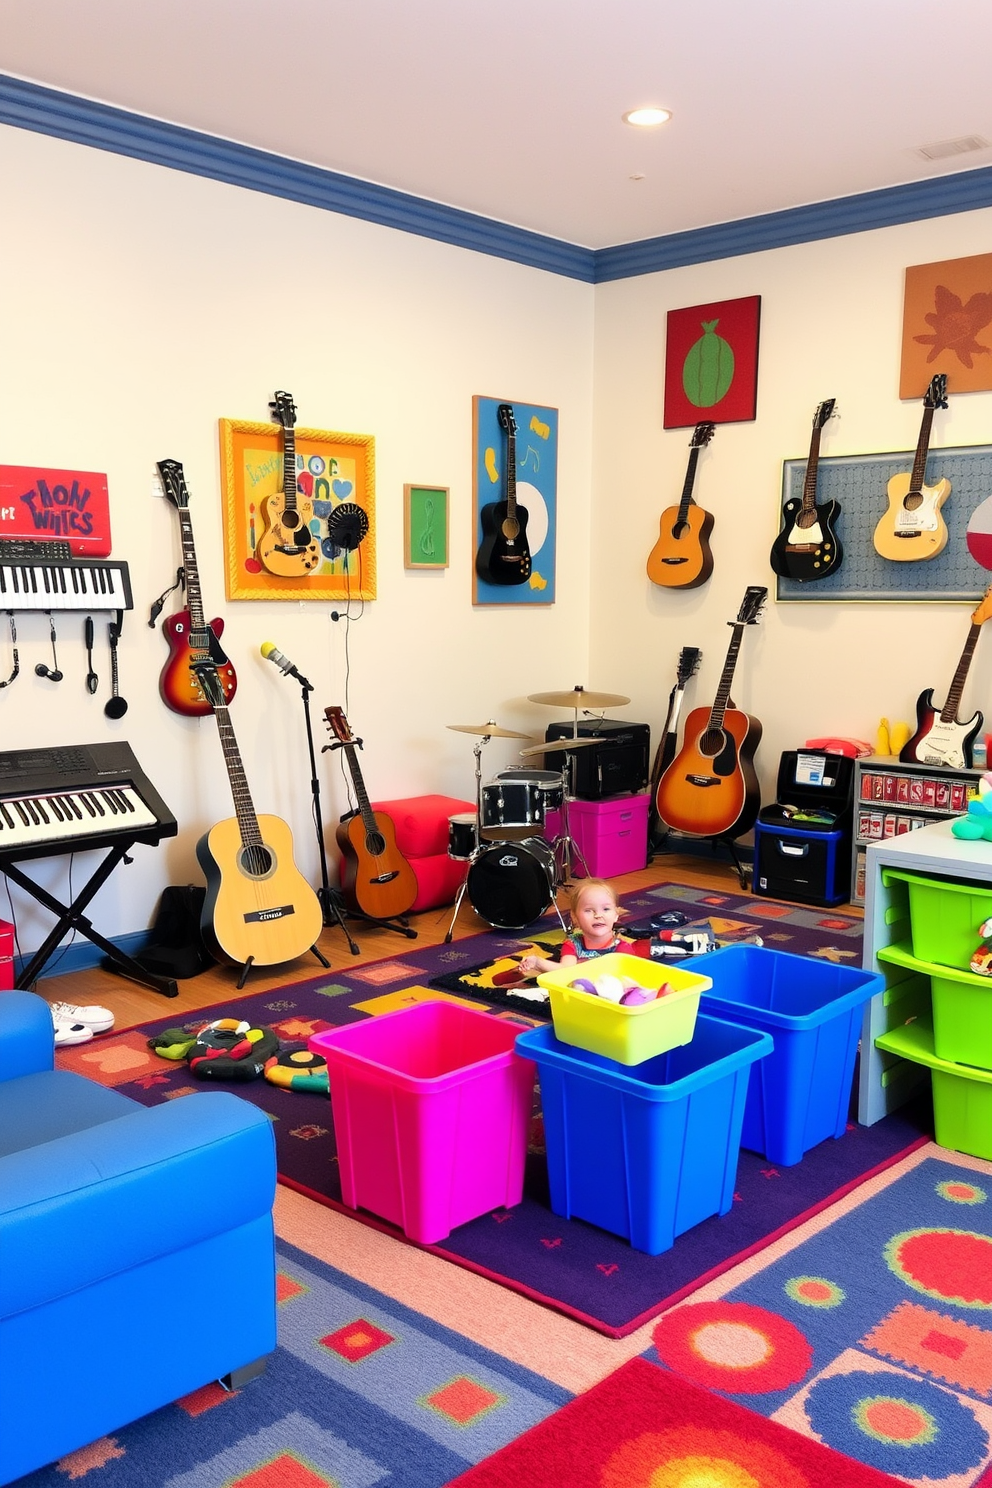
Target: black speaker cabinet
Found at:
618, 762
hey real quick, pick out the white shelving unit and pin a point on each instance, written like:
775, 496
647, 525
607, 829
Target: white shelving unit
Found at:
892, 799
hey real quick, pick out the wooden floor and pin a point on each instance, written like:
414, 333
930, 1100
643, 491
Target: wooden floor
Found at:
132, 1004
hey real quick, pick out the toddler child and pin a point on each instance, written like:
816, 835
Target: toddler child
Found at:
594, 914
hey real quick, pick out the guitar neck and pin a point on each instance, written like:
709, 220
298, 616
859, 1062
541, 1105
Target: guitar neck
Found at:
918, 477
812, 465
511, 472
194, 598
690, 480
289, 467
719, 708
244, 810
364, 805
949, 712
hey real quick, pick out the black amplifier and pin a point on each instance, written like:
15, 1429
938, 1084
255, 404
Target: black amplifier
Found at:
617, 763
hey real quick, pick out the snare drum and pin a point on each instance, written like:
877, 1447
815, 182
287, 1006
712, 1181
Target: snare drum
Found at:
511, 884
548, 783
462, 836
512, 810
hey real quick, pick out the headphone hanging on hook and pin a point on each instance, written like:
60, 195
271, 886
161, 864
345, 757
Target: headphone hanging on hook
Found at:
347, 525
41, 670
15, 671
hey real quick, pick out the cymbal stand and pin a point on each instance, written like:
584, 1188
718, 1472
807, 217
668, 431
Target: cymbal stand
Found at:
477, 751
566, 849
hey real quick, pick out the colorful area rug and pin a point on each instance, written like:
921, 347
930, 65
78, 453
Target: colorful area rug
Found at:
874, 1335
360, 1391
582, 1271
641, 1428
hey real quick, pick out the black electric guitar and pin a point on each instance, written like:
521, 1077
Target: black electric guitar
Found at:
807, 548
681, 558
503, 556
688, 665
940, 739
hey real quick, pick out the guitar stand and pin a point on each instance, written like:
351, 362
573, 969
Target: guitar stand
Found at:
71, 917
668, 843
399, 924
248, 965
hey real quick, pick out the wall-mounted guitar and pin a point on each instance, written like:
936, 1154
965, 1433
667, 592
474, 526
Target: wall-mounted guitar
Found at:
688, 664
940, 739
287, 547
504, 555
808, 548
913, 527
189, 636
376, 879
681, 558
710, 789
259, 909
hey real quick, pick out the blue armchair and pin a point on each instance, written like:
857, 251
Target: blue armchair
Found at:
136, 1247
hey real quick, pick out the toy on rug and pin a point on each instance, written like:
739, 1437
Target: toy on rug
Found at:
226, 1049
978, 822
299, 1070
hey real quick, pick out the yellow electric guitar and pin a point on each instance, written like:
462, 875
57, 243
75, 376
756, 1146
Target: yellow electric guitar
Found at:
913, 527
287, 547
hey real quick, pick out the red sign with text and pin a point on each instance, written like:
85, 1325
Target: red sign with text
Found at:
72, 505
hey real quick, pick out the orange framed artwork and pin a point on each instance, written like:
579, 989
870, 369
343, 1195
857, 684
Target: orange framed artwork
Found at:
947, 326
333, 491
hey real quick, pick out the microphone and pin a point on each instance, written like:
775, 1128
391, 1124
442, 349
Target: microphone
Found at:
272, 653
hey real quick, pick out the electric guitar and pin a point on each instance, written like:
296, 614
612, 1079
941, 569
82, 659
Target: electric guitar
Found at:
376, 879
259, 909
688, 664
913, 527
190, 638
940, 739
681, 558
504, 556
287, 547
710, 789
808, 548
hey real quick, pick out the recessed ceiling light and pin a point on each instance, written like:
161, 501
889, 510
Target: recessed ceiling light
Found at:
646, 118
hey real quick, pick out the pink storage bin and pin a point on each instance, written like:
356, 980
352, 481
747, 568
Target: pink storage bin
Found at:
6, 956
612, 835
431, 1112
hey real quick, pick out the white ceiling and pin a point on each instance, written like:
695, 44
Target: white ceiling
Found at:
513, 110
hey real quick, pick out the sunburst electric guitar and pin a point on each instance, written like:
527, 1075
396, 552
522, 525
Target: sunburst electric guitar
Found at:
710, 789
189, 636
940, 739
504, 553
808, 548
913, 527
681, 558
287, 547
259, 909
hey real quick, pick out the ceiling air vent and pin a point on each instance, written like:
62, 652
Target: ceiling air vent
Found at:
945, 148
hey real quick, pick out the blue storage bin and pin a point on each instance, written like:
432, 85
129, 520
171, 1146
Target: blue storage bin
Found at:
648, 1150
813, 1010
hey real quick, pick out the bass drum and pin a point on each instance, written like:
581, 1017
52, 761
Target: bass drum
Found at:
511, 884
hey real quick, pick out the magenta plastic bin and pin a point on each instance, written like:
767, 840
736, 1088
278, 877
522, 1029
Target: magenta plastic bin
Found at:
431, 1112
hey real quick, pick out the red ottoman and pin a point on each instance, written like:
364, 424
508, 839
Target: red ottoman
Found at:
421, 824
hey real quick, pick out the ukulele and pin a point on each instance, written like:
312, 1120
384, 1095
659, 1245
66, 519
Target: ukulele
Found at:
913, 527
710, 789
259, 909
503, 556
376, 879
681, 558
688, 664
189, 637
287, 547
808, 548
940, 739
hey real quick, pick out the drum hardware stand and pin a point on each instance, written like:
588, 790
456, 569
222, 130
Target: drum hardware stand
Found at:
477, 751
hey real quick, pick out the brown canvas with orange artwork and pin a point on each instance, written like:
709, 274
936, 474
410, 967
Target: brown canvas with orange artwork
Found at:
947, 326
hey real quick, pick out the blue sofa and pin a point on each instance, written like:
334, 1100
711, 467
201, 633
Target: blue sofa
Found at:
136, 1247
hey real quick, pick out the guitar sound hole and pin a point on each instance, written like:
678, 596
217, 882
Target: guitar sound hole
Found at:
679, 529
375, 844
510, 528
711, 743
256, 861
913, 500
291, 519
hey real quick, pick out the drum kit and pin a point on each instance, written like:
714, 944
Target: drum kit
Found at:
514, 873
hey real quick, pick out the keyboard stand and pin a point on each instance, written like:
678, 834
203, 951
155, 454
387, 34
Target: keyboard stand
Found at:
71, 917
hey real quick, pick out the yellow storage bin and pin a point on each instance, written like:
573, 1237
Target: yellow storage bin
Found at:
628, 1035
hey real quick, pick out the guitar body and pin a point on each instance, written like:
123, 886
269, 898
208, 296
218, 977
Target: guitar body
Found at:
912, 528
503, 556
681, 558
938, 743
178, 684
270, 917
375, 876
807, 548
710, 789
287, 547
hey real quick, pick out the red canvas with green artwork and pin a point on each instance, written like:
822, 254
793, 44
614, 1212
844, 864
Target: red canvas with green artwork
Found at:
711, 363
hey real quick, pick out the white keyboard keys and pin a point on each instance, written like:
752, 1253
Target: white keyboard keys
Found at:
54, 816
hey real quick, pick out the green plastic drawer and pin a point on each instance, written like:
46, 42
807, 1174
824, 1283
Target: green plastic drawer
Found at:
962, 1096
945, 916
962, 1007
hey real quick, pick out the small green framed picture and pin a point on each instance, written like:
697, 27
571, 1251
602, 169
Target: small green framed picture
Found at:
425, 526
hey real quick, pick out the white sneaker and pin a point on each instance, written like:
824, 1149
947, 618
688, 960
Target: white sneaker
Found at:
71, 1033
97, 1019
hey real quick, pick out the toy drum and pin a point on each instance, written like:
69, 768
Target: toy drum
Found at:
512, 810
548, 783
511, 884
462, 836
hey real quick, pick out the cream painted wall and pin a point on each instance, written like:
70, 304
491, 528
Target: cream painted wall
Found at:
831, 321
139, 305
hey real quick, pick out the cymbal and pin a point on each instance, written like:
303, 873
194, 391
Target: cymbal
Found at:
551, 744
579, 697
489, 729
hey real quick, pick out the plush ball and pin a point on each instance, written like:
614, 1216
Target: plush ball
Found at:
583, 984
637, 996
609, 987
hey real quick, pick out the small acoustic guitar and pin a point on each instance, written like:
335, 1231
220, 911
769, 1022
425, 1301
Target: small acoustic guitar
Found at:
940, 739
376, 878
287, 547
808, 548
913, 527
681, 558
504, 554
710, 789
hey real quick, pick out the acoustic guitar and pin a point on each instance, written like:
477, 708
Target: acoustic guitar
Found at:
504, 555
681, 558
376, 878
912, 527
940, 739
259, 909
189, 636
688, 664
710, 789
287, 547
808, 548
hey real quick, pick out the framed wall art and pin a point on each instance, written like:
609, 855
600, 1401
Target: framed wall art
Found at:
425, 526
947, 326
515, 499
334, 495
711, 363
